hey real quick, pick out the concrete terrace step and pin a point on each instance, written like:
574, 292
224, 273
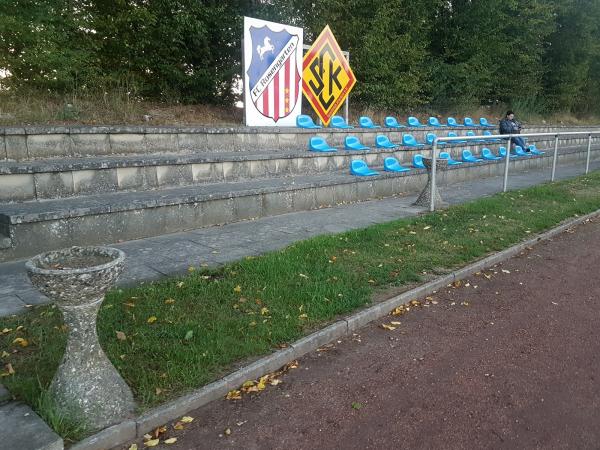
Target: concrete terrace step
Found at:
67, 177
32, 227
27, 143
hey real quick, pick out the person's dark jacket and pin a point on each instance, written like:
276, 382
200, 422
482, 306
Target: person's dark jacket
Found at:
509, 127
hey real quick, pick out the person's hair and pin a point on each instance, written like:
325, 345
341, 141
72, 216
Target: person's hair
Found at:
509, 112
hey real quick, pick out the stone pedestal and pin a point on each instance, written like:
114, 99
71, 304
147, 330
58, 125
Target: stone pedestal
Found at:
425, 196
86, 385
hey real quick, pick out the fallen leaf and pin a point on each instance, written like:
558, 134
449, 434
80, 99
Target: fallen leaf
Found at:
387, 327
152, 443
189, 335
180, 284
9, 369
356, 405
133, 447
264, 311
121, 336
396, 323
151, 319
187, 419
234, 395
171, 440
147, 436
302, 275
427, 227
178, 426
19, 328
237, 289
169, 301
191, 269
505, 271
159, 430
303, 316
398, 311
275, 382
457, 283
412, 232
6, 330
5, 354
22, 342
158, 391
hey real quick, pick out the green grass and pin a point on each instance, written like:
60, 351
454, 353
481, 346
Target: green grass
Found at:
211, 319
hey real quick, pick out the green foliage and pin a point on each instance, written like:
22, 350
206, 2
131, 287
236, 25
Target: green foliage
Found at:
452, 54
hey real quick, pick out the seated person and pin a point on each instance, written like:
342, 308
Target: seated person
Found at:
509, 125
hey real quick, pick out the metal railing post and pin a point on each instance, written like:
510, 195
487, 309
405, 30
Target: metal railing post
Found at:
505, 185
347, 102
433, 167
589, 150
554, 158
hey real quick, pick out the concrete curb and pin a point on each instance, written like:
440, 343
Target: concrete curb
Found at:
124, 432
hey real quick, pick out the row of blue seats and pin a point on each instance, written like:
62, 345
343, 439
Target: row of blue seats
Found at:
390, 164
304, 121
319, 144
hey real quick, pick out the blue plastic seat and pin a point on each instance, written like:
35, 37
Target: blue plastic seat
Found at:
353, 143
502, 153
453, 134
467, 156
484, 123
392, 122
303, 121
469, 122
486, 153
430, 137
534, 151
453, 123
451, 162
414, 122
382, 141
366, 122
339, 122
318, 144
391, 164
489, 133
409, 141
418, 162
359, 167
520, 152
434, 122
478, 141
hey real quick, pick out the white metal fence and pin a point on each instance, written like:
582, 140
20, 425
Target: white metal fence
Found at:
508, 138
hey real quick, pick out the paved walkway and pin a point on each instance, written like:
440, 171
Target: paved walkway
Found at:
153, 258
508, 360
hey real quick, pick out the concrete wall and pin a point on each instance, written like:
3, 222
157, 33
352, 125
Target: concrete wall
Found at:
27, 143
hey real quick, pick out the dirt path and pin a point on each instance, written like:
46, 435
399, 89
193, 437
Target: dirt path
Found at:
512, 361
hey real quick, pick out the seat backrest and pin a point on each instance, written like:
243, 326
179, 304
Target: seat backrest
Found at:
486, 151
390, 161
445, 155
467, 153
451, 121
470, 133
408, 139
434, 122
487, 133
468, 121
391, 121
502, 151
351, 140
365, 121
413, 121
418, 160
430, 138
337, 121
382, 140
317, 142
483, 121
452, 134
358, 164
304, 121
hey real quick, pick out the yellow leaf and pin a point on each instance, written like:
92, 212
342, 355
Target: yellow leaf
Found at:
187, 419
191, 269
264, 311
303, 316
5, 354
9, 369
152, 443
427, 227
275, 382
395, 323
152, 319
178, 426
171, 440
121, 336
248, 384
398, 311
169, 301
412, 232
234, 395
19, 328
180, 284
237, 289
387, 327
6, 330
158, 391
133, 447
227, 431
22, 342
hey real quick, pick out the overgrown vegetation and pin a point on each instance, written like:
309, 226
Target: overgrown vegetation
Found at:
181, 333
446, 55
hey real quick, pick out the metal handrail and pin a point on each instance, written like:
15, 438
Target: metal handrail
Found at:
508, 138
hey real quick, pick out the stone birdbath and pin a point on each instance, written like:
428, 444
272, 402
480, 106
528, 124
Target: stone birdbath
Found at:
86, 384
425, 197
